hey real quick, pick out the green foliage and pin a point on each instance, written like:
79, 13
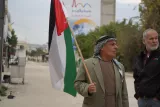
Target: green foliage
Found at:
13, 42
40, 51
128, 39
150, 14
128, 34
3, 90
33, 53
37, 52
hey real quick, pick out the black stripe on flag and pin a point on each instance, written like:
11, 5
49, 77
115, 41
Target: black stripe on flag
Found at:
52, 22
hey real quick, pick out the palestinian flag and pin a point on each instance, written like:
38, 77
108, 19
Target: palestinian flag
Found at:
61, 54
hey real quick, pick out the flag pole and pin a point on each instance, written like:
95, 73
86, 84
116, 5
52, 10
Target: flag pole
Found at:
80, 53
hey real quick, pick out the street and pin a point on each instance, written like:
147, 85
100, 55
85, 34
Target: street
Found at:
38, 92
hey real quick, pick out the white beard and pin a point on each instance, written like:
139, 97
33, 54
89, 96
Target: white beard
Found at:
154, 48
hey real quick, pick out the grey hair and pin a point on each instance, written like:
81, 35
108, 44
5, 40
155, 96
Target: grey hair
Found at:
148, 30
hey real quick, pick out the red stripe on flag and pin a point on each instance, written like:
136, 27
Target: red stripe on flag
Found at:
61, 22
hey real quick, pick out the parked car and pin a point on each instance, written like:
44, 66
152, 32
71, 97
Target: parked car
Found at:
13, 61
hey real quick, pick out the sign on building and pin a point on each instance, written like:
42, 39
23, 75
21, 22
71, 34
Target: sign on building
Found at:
84, 15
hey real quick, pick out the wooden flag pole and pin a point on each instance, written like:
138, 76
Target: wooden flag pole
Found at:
85, 67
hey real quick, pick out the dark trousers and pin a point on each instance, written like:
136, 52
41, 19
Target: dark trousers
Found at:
148, 103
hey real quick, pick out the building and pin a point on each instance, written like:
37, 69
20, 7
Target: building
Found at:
22, 43
108, 11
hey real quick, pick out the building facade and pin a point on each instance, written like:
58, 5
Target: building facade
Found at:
108, 11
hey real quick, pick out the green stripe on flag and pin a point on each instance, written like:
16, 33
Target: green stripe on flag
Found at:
70, 73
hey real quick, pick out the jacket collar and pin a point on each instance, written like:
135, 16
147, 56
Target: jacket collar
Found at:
144, 52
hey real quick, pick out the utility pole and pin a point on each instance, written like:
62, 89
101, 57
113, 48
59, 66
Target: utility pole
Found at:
2, 14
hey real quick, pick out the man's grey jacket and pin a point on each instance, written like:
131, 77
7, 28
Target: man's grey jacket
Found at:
98, 99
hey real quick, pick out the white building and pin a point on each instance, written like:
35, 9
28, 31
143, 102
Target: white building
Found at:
108, 11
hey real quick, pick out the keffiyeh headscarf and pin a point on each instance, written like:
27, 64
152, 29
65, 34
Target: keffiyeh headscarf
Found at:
100, 43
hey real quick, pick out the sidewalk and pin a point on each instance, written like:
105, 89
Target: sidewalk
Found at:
129, 74
38, 92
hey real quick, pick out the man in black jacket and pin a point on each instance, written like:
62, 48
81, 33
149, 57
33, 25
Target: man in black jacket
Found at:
146, 69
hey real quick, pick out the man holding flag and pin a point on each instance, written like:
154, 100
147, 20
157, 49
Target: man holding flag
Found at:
108, 88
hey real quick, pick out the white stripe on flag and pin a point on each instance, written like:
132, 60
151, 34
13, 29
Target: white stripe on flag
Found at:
57, 59
62, 50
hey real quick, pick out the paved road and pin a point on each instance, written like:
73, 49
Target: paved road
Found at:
37, 91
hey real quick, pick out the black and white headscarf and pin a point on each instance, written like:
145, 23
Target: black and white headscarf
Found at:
100, 43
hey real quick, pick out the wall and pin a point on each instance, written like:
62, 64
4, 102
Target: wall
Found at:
108, 11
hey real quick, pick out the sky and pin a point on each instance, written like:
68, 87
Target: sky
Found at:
30, 18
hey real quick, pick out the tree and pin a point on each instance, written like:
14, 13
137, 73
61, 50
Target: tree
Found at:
128, 39
150, 14
33, 53
37, 52
12, 42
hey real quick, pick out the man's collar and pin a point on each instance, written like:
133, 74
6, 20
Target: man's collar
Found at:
143, 53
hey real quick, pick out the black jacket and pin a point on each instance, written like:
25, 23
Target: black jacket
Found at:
147, 76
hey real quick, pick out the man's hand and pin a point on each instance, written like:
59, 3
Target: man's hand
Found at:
92, 88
